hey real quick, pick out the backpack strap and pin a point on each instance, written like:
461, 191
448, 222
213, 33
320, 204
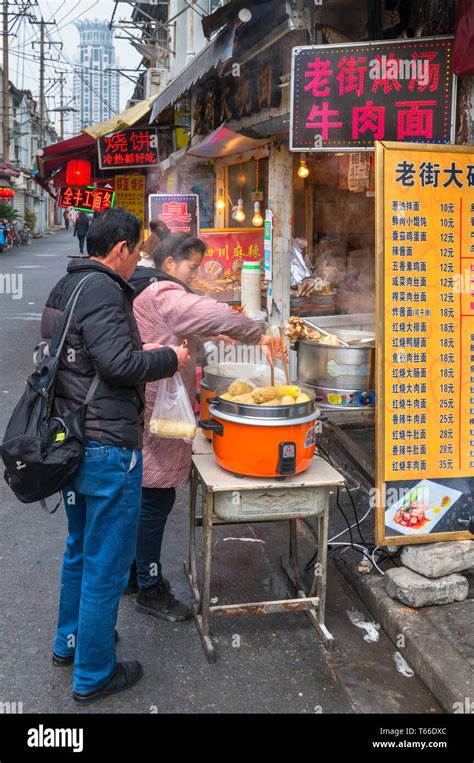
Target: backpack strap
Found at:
59, 338
45, 507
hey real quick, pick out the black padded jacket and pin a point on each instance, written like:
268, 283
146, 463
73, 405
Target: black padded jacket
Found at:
103, 337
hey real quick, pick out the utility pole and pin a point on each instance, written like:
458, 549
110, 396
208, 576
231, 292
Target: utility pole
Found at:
42, 24
61, 106
5, 88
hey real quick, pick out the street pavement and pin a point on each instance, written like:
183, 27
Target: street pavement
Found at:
273, 664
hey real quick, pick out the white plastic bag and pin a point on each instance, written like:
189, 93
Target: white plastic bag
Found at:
173, 416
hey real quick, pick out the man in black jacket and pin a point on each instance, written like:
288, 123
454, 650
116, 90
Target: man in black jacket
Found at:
102, 502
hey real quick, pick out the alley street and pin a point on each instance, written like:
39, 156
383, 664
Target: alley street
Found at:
264, 664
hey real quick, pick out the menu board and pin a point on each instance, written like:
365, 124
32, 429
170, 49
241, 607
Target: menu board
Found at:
425, 348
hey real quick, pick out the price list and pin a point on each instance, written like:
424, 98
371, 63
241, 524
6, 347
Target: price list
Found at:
428, 313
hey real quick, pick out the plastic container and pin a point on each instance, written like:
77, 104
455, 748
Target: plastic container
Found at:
250, 291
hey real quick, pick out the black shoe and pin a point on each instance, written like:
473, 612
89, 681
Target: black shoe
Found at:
159, 601
125, 675
61, 662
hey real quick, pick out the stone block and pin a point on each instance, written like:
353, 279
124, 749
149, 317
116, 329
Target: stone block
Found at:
434, 560
418, 591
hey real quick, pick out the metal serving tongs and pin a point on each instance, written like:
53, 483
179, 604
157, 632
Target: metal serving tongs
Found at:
285, 363
324, 332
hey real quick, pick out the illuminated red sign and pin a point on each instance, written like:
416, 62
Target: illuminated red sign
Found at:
348, 96
129, 149
180, 212
86, 199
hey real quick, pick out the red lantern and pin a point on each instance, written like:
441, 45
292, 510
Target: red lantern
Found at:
78, 172
6, 193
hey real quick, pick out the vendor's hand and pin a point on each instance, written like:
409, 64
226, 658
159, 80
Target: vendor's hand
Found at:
183, 354
224, 338
279, 348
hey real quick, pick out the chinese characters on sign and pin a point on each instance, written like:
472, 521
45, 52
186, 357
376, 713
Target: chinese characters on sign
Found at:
227, 248
256, 87
130, 194
347, 96
128, 148
426, 390
86, 199
180, 212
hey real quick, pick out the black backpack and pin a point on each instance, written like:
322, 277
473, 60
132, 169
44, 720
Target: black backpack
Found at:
42, 452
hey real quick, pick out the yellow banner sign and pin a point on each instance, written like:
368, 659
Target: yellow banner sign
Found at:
130, 194
425, 356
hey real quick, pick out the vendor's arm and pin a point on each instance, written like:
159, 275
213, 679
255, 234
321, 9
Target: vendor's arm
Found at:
192, 315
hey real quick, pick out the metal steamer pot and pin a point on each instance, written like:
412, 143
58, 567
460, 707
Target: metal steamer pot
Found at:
333, 367
262, 441
216, 377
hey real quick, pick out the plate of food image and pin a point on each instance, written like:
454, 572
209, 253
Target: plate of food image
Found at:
421, 508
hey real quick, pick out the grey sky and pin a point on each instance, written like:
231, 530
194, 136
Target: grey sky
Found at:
24, 66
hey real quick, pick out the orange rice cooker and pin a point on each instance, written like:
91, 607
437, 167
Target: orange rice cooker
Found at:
262, 441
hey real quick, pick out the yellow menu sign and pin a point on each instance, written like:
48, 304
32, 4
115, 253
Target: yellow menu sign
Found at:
130, 194
425, 353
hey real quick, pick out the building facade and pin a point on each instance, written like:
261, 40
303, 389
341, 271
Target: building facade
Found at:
96, 81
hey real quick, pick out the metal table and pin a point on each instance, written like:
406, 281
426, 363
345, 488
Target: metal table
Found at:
259, 500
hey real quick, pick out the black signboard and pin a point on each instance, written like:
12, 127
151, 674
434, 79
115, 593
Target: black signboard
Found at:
246, 90
128, 149
179, 211
344, 97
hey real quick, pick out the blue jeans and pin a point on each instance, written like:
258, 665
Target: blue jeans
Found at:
102, 504
155, 507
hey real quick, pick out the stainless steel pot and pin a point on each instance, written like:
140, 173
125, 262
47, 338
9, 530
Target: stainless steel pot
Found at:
321, 365
218, 377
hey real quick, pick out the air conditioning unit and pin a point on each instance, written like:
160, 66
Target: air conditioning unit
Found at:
155, 81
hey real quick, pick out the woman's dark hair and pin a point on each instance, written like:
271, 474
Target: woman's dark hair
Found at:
159, 228
179, 246
108, 228
150, 246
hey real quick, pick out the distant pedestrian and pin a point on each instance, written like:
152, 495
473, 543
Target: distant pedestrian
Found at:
80, 229
66, 218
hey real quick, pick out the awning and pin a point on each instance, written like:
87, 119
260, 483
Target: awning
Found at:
224, 142
121, 121
57, 154
208, 58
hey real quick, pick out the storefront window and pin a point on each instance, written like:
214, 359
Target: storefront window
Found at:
335, 225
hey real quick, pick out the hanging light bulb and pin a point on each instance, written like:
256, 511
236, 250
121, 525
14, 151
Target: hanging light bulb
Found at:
240, 214
220, 200
257, 218
303, 171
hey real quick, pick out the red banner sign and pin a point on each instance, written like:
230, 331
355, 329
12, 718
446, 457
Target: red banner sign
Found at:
227, 248
129, 148
86, 199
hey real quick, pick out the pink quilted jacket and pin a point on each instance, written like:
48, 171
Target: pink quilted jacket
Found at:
166, 313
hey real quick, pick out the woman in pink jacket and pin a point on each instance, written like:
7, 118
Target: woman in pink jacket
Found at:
169, 312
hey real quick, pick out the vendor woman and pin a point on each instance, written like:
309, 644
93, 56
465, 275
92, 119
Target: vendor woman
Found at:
169, 312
